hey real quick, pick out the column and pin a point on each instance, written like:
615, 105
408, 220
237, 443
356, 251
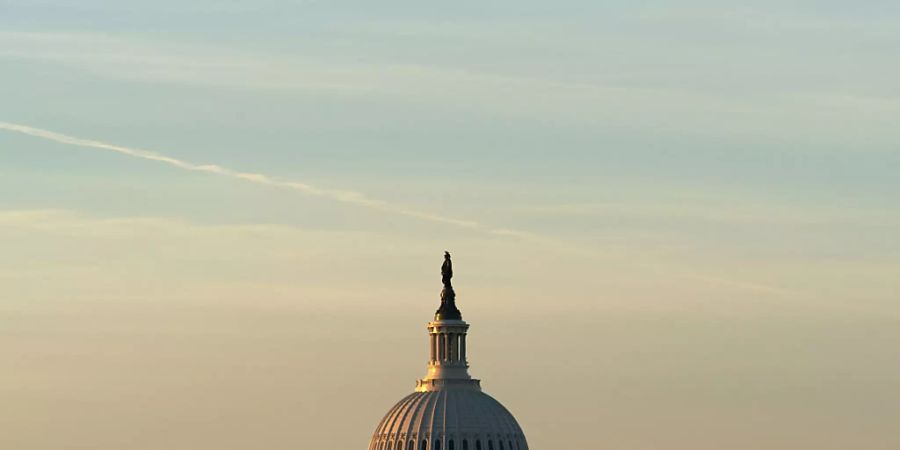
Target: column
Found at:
462, 348
451, 337
433, 341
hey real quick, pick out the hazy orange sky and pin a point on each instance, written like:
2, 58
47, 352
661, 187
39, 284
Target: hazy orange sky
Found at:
222, 223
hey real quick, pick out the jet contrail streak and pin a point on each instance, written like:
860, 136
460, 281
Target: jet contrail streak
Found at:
354, 198
351, 197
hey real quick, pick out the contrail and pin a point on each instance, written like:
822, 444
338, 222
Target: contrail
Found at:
351, 197
356, 198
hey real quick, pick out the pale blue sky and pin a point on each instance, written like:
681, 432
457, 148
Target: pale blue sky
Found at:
708, 189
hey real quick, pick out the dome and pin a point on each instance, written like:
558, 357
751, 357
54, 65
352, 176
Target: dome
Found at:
449, 419
448, 410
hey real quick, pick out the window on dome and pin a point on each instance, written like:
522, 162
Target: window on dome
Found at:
477, 445
411, 446
424, 445
399, 445
490, 445
465, 444
437, 444
501, 445
451, 446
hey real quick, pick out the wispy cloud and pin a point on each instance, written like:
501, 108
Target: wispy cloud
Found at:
688, 105
719, 210
783, 21
145, 60
349, 197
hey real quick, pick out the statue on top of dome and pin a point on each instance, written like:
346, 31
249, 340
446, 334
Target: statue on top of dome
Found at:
447, 269
448, 309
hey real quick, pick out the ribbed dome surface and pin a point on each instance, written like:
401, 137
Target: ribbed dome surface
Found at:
451, 419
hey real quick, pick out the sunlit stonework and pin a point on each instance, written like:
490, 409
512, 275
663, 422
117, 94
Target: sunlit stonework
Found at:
448, 410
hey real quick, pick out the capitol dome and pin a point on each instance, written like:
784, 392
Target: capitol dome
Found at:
448, 410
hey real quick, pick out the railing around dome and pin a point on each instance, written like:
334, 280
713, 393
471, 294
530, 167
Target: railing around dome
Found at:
511, 444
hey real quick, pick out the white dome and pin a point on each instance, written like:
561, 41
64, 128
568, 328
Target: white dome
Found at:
449, 419
448, 411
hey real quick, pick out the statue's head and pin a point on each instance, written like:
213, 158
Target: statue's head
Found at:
446, 254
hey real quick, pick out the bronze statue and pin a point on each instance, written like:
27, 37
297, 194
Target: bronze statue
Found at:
448, 309
447, 269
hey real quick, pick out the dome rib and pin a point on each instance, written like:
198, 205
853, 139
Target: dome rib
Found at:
396, 414
408, 410
444, 402
506, 426
432, 413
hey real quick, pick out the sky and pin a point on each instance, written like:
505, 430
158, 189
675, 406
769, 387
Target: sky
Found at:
674, 226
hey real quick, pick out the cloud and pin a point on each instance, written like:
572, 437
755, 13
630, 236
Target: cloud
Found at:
163, 256
782, 20
719, 210
176, 62
104, 257
350, 197
618, 95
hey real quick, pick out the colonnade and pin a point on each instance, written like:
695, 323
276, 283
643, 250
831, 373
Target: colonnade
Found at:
448, 346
